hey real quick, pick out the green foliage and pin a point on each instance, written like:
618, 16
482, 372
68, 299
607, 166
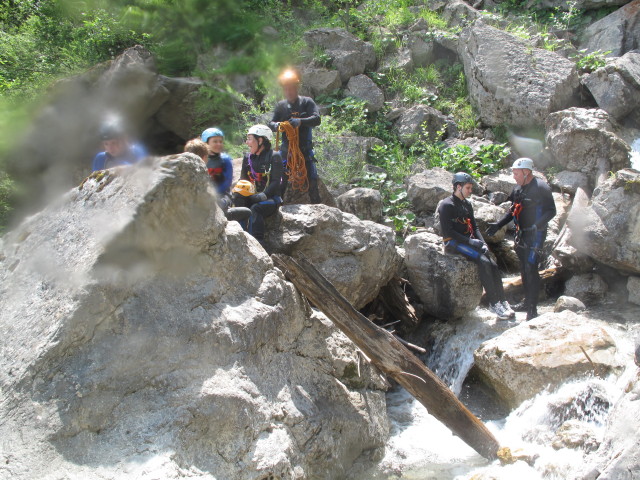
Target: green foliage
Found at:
7, 190
587, 62
460, 158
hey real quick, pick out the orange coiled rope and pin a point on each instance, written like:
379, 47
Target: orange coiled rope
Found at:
296, 167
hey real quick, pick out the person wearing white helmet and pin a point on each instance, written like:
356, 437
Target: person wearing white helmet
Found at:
532, 207
263, 168
302, 113
462, 236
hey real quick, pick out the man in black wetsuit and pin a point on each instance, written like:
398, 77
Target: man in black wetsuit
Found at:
461, 235
532, 207
302, 113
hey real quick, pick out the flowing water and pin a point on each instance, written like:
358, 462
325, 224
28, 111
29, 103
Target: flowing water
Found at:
421, 448
635, 154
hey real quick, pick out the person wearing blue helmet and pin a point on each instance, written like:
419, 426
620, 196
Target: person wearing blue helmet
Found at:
219, 165
118, 150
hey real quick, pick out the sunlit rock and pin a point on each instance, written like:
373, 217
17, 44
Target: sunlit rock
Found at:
544, 353
364, 203
144, 336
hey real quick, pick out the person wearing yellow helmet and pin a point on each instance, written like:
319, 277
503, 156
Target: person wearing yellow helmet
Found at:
302, 113
259, 185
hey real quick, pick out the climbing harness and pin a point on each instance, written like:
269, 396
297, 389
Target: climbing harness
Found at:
296, 168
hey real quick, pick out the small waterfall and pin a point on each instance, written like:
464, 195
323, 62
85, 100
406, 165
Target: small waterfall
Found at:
558, 431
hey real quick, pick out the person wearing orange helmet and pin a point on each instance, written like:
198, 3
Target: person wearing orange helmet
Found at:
302, 113
259, 185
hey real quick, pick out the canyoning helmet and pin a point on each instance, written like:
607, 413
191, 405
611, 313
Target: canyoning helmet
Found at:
261, 131
462, 177
244, 188
211, 132
288, 77
111, 130
523, 162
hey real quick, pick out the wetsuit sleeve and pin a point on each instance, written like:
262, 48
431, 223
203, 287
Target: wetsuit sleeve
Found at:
279, 115
548, 207
227, 173
312, 114
447, 214
509, 215
244, 171
476, 230
276, 176
98, 162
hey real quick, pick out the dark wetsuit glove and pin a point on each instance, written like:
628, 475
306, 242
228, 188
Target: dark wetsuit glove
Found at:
492, 229
294, 122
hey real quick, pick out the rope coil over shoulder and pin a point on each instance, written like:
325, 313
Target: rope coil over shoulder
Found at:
296, 169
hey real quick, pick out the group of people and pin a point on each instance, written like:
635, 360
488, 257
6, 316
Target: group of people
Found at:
265, 172
532, 207
264, 178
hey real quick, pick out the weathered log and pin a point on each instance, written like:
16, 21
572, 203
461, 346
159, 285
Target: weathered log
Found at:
390, 356
514, 286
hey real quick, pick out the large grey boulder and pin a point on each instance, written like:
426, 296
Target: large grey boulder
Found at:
364, 203
350, 55
590, 288
421, 122
357, 256
544, 353
448, 285
607, 229
144, 336
426, 189
421, 49
363, 88
511, 82
319, 81
617, 33
586, 140
616, 86
568, 181
401, 59
500, 181
178, 113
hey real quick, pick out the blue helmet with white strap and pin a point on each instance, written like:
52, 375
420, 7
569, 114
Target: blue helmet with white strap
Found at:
211, 132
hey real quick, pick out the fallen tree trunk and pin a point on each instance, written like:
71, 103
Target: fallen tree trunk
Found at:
390, 356
396, 302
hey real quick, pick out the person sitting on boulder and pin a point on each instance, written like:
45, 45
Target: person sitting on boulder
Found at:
197, 147
219, 165
302, 114
261, 172
118, 151
532, 207
462, 236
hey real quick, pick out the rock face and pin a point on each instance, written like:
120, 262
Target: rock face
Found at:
633, 287
363, 88
588, 287
319, 81
425, 190
617, 33
144, 336
585, 140
358, 257
511, 82
608, 229
364, 203
448, 285
350, 56
544, 352
568, 181
616, 86
420, 122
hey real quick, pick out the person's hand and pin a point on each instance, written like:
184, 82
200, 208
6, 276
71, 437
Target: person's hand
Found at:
476, 244
492, 229
485, 248
258, 197
294, 122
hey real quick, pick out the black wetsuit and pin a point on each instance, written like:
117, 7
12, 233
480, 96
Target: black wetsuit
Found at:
306, 110
532, 207
265, 172
459, 227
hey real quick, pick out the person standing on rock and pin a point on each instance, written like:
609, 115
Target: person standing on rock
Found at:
262, 167
118, 151
532, 207
219, 165
462, 236
302, 114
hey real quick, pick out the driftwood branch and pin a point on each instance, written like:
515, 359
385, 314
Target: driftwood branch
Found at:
390, 356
